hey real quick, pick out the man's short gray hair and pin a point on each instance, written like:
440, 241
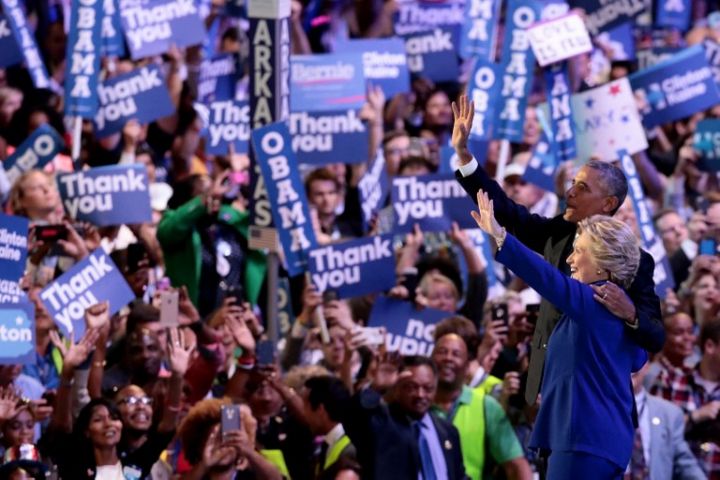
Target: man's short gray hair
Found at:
614, 247
613, 180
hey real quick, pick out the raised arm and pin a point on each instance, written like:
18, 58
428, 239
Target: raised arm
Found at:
567, 294
532, 230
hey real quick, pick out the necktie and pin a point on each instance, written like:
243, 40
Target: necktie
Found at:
638, 467
322, 455
428, 470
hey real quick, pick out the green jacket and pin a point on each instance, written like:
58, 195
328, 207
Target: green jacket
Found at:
181, 244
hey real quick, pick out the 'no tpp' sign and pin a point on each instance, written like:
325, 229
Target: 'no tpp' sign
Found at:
558, 39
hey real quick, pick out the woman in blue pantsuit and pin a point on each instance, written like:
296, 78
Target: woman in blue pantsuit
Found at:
585, 417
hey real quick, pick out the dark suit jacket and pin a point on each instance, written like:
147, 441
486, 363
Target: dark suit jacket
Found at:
385, 440
553, 238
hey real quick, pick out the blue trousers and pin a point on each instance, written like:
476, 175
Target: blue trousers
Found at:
580, 465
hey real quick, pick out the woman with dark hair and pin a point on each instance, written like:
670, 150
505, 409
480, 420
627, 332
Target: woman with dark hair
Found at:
90, 448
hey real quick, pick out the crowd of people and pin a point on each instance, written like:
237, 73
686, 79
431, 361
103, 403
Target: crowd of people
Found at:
606, 380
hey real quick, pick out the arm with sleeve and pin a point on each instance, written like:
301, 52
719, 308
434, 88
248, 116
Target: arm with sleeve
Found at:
531, 229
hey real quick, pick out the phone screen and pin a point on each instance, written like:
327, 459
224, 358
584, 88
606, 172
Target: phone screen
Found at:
229, 418
265, 352
500, 312
532, 309
708, 246
169, 308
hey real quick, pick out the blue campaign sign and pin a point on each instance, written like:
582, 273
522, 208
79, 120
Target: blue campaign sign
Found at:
431, 201
15, 15
140, 95
417, 15
483, 88
651, 241
557, 83
35, 152
83, 58
621, 40
289, 205
676, 88
673, 13
228, 123
153, 26
113, 195
449, 159
712, 53
517, 63
10, 53
326, 82
374, 188
354, 268
477, 35
432, 54
648, 57
13, 250
320, 138
385, 63
707, 143
602, 15
218, 79
91, 281
113, 42
541, 167
409, 330
17, 333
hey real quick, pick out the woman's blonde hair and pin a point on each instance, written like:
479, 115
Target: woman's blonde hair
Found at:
432, 277
15, 196
614, 247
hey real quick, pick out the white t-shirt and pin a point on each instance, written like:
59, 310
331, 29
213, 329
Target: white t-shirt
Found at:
110, 472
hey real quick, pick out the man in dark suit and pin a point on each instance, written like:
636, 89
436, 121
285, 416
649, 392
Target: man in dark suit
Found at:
598, 188
401, 438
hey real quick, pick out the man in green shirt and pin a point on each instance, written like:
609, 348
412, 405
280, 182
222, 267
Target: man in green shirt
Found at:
479, 418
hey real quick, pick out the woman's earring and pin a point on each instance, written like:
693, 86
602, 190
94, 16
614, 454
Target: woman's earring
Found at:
599, 272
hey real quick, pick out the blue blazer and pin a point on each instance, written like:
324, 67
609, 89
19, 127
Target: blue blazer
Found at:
586, 404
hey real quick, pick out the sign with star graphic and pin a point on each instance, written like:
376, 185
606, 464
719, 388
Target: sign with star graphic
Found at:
606, 120
680, 86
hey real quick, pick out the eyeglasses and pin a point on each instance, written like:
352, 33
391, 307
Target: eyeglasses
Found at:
133, 400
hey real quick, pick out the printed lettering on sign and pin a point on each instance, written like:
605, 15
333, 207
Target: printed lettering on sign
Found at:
103, 195
286, 193
414, 15
477, 38
321, 138
559, 39
409, 331
432, 54
354, 268
384, 62
140, 95
676, 88
327, 82
651, 241
17, 333
227, 123
13, 254
35, 152
432, 201
88, 282
13, 10
83, 58
517, 69
153, 26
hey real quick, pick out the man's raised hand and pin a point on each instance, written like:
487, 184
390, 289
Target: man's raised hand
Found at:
463, 112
